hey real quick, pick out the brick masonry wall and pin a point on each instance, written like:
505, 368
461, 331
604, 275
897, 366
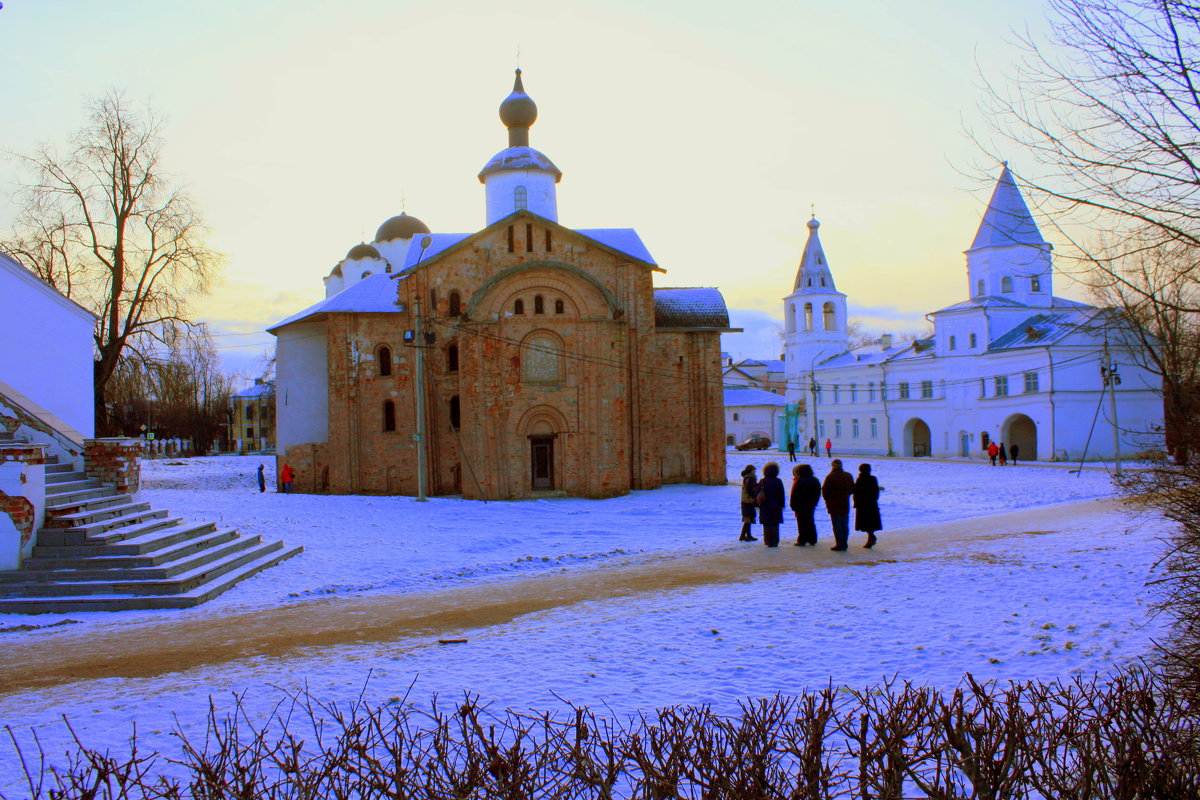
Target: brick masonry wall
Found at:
22, 513
628, 406
115, 461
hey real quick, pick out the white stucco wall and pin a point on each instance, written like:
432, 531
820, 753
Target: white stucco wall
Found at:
21, 480
541, 198
301, 385
752, 421
46, 347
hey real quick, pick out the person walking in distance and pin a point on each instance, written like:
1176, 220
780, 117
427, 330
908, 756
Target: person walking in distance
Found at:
812, 446
1012, 451
836, 490
829, 448
749, 503
791, 450
771, 500
262, 478
866, 504
1003, 455
285, 477
992, 452
805, 495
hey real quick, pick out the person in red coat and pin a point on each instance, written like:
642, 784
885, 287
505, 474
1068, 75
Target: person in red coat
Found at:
285, 477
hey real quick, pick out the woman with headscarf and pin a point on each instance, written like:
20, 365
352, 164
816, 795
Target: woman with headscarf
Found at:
866, 504
771, 500
749, 503
805, 495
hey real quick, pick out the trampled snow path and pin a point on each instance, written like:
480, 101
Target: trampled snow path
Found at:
1000, 605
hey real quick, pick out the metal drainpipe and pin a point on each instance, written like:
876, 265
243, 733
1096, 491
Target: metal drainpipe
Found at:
1053, 414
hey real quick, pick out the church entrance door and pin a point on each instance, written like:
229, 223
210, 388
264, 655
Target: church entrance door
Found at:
964, 444
541, 452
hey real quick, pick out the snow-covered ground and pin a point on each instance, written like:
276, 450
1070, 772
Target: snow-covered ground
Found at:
1027, 606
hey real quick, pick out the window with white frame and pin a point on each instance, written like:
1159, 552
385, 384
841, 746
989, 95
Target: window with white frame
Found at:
953, 343
854, 428
979, 288
927, 389
904, 390
836, 394
874, 428
1001, 386
821, 429
1031, 382
854, 393
1006, 285
837, 428
871, 392
1035, 283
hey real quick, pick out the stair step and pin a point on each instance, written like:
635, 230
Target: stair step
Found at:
184, 542
134, 540
88, 534
103, 570
180, 583
78, 495
53, 467
106, 509
273, 553
6, 436
70, 482
65, 509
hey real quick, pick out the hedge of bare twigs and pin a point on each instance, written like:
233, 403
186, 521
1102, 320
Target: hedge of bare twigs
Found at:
1123, 738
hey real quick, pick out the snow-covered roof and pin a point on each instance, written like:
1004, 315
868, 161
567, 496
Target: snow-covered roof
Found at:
256, 390
690, 308
439, 243
520, 157
1037, 331
995, 301
774, 365
375, 294
625, 240
1007, 220
752, 397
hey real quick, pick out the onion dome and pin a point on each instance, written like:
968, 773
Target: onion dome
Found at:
518, 112
400, 227
362, 251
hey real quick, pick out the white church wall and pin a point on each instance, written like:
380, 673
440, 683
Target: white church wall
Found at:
396, 251
47, 351
301, 385
540, 194
752, 421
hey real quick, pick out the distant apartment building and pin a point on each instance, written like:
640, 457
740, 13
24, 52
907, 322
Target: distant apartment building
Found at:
252, 422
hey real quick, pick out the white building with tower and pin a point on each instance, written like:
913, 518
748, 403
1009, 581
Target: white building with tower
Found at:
1012, 363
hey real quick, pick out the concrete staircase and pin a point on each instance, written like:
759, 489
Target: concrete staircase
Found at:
104, 551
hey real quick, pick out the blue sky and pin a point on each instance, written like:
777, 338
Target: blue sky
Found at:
712, 128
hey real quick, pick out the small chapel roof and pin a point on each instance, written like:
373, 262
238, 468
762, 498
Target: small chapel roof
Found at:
995, 301
692, 307
749, 396
375, 294
1007, 220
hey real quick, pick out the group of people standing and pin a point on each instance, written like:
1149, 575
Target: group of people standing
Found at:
810, 448
767, 498
997, 450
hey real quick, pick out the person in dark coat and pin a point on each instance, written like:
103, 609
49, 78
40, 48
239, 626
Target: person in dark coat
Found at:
1012, 451
771, 500
262, 479
806, 494
749, 505
866, 504
837, 489
791, 450
1003, 455
812, 445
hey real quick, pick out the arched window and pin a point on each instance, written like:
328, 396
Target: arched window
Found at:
383, 357
452, 358
455, 304
539, 305
455, 418
520, 197
1006, 284
979, 288
559, 307
519, 307
366, 274
540, 356
389, 415
829, 317
808, 314
735, 416
822, 281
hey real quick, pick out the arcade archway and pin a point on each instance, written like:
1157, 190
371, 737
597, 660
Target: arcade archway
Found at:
1021, 431
916, 438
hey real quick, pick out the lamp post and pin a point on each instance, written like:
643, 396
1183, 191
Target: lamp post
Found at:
419, 344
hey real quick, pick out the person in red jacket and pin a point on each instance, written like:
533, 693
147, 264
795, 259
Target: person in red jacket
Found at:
829, 448
285, 478
992, 452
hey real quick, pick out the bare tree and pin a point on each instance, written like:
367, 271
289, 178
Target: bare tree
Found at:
107, 227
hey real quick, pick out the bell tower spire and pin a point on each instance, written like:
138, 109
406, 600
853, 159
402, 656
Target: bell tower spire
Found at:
520, 178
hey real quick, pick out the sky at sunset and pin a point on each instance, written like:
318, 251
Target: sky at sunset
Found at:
711, 128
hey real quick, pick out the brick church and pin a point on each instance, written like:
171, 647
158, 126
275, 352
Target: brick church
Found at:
523, 359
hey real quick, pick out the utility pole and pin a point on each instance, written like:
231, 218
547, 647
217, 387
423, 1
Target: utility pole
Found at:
419, 436
1111, 380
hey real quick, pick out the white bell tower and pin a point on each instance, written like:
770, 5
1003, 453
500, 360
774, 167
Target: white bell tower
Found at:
814, 318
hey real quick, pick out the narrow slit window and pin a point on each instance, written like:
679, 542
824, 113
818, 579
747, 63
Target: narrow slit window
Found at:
452, 358
384, 357
455, 418
511, 238
389, 416
519, 307
548, 240
528, 237
455, 304
539, 305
